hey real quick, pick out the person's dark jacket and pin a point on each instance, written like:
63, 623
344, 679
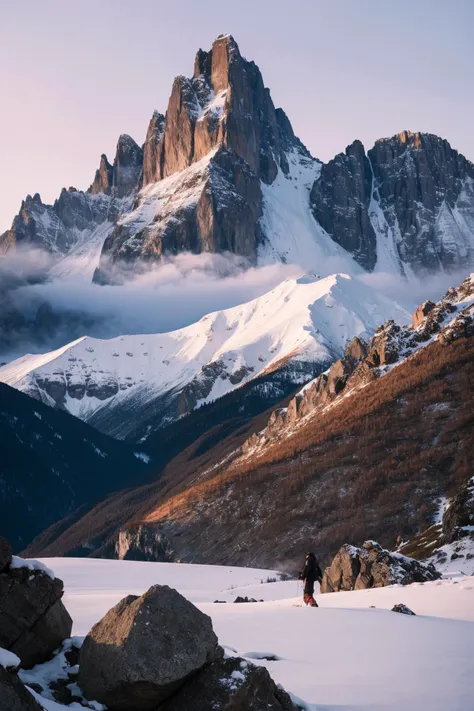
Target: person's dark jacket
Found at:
311, 570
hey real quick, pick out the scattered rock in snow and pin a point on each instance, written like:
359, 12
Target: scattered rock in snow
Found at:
144, 649
246, 599
229, 685
403, 609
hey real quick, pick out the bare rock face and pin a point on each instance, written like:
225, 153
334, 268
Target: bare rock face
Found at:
413, 190
104, 177
229, 685
143, 541
127, 166
33, 619
14, 696
144, 649
459, 516
223, 122
371, 566
420, 314
153, 150
340, 201
55, 228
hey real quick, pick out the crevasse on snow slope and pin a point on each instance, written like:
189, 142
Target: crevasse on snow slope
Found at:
305, 319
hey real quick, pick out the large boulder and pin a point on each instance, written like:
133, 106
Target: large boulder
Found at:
13, 694
371, 566
229, 685
144, 649
33, 619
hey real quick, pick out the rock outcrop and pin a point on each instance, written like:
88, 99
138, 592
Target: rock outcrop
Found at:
143, 541
144, 649
229, 685
340, 201
127, 166
33, 619
371, 566
411, 193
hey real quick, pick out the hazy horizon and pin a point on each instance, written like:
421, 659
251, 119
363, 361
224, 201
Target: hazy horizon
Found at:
74, 77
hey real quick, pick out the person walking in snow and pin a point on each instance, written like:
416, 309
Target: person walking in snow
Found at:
310, 573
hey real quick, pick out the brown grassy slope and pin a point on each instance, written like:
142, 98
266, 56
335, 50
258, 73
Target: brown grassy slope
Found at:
370, 467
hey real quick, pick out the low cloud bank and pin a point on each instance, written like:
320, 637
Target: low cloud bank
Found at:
175, 293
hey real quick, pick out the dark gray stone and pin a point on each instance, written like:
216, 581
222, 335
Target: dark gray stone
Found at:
33, 619
144, 649
13, 694
402, 609
229, 685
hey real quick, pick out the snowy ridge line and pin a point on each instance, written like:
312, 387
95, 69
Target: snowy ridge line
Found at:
301, 321
464, 306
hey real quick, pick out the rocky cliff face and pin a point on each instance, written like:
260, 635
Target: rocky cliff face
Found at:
143, 542
340, 200
221, 135
408, 203
76, 215
215, 171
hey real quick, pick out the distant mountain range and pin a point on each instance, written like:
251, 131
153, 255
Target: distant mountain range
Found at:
222, 171
132, 385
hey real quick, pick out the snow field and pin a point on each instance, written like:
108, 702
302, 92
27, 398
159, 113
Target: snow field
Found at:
344, 656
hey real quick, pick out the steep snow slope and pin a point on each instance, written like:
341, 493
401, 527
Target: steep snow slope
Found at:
302, 321
292, 235
343, 655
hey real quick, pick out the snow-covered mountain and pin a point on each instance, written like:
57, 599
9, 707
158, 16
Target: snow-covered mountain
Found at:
223, 171
302, 325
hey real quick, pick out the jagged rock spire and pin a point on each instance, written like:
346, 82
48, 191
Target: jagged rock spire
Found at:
104, 177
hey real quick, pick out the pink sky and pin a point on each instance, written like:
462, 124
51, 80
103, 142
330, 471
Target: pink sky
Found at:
73, 76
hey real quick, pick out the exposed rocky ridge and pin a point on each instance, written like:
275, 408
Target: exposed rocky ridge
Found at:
74, 216
371, 566
451, 318
408, 203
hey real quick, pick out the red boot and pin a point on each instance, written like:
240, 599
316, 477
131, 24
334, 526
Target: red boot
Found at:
309, 600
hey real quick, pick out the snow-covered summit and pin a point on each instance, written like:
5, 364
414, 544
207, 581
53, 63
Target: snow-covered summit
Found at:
305, 320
